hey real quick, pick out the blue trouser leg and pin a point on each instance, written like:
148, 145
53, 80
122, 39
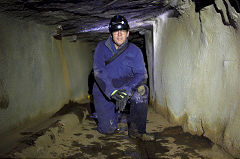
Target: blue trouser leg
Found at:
106, 115
138, 111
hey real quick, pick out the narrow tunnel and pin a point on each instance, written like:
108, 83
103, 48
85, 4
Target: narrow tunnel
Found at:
191, 53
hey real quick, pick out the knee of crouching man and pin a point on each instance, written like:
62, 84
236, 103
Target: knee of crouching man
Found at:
141, 94
143, 90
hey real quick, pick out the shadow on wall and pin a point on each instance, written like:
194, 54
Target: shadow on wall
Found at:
235, 4
75, 108
200, 4
4, 99
90, 88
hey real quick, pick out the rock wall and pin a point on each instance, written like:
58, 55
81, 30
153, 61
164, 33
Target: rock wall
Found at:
196, 71
149, 50
38, 74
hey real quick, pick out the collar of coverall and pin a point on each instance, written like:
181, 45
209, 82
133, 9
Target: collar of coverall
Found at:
110, 44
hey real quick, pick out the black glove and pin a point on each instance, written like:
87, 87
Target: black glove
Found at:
121, 98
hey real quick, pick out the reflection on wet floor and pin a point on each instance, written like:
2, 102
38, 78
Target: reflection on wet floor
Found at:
81, 140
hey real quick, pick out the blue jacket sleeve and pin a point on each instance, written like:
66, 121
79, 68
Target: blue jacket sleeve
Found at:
139, 73
100, 73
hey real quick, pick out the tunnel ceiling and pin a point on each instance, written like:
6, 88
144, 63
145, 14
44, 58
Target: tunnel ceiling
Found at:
86, 18
80, 16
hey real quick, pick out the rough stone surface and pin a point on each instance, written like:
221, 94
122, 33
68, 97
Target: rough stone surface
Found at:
38, 74
196, 72
71, 133
79, 16
82, 16
193, 61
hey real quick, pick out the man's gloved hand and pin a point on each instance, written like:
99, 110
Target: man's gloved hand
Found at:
121, 98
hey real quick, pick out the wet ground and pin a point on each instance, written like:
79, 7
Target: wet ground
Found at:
71, 133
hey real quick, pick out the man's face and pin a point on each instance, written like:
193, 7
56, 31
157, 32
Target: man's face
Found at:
119, 37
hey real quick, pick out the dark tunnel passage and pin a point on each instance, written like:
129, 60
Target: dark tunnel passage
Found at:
191, 54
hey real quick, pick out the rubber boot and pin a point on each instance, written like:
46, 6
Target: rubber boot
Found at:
138, 115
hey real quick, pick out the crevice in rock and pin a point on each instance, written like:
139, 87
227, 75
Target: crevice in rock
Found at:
225, 22
200, 4
231, 20
200, 20
223, 132
203, 131
4, 99
228, 21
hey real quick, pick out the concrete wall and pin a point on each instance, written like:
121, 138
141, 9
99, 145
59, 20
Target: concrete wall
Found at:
196, 73
38, 74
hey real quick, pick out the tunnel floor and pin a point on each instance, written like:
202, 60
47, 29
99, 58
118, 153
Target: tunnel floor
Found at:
71, 133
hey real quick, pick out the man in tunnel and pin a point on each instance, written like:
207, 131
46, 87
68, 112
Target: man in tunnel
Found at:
120, 76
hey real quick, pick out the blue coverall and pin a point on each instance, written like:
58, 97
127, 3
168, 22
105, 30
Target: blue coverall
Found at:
126, 72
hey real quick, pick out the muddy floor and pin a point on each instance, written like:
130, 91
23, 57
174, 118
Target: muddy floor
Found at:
71, 133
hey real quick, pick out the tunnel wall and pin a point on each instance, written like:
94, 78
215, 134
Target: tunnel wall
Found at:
149, 50
196, 73
38, 74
